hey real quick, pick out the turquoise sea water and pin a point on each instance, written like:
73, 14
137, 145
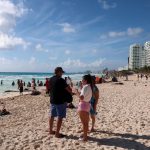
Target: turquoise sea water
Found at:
9, 77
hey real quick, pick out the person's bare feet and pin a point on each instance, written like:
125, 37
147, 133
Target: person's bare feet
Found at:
92, 130
52, 132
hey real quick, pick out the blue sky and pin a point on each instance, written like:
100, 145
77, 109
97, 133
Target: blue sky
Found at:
79, 35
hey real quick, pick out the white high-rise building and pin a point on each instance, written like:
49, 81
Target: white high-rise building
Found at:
147, 51
137, 56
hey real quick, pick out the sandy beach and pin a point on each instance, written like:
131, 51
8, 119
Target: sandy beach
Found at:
123, 121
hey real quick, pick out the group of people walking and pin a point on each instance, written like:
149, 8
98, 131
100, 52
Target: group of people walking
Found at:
141, 76
88, 96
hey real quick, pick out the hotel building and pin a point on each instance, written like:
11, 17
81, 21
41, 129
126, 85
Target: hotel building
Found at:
147, 51
139, 56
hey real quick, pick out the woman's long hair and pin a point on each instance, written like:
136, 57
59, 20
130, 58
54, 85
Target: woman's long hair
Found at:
88, 78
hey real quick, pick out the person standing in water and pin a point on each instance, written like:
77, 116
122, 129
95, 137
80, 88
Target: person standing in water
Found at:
21, 87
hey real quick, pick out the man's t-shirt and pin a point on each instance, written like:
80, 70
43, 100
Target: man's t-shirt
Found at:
57, 90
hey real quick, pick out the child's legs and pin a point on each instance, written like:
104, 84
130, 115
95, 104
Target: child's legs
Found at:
84, 116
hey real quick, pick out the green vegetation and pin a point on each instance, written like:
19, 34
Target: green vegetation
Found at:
145, 69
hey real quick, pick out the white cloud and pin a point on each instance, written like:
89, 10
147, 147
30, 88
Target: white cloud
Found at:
129, 32
94, 50
70, 64
32, 60
53, 58
32, 64
6, 24
39, 47
67, 28
90, 22
67, 52
9, 12
116, 34
7, 7
9, 64
8, 42
134, 31
22, 65
107, 6
104, 36
4, 61
96, 63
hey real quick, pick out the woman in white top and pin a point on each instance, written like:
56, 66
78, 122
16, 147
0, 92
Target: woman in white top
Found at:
84, 105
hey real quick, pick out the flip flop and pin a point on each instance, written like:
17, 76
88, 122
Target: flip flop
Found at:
92, 130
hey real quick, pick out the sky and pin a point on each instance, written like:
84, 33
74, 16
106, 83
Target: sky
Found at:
78, 35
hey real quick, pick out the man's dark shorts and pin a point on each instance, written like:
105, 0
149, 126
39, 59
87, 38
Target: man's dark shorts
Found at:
58, 110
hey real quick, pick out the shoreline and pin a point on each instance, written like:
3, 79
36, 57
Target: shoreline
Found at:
15, 93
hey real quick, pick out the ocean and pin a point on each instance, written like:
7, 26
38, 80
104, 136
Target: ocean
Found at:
8, 77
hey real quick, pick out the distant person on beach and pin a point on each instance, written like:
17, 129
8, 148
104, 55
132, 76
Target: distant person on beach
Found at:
18, 83
84, 104
38, 82
13, 83
3, 111
1, 82
33, 85
29, 84
146, 76
21, 87
58, 101
126, 77
69, 82
93, 102
47, 86
138, 76
80, 85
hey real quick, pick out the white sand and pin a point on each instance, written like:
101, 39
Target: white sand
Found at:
123, 121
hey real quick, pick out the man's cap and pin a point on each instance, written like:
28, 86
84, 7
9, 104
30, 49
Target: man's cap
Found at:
59, 69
